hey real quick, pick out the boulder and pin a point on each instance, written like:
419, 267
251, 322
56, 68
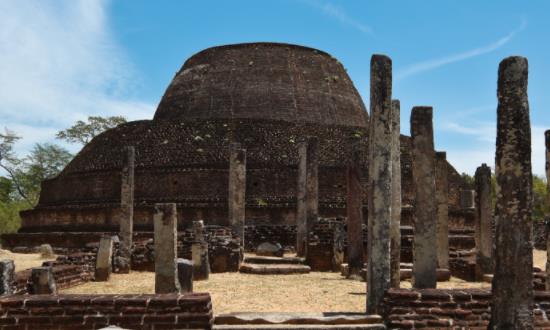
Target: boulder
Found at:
46, 251
270, 250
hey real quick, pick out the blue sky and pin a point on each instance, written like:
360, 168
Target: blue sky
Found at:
61, 61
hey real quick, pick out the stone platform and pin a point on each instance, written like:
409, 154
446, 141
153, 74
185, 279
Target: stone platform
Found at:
274, 265
295, 321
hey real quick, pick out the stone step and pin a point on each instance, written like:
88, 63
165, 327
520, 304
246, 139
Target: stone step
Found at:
379, 326
297, 319
275, 260
273, 269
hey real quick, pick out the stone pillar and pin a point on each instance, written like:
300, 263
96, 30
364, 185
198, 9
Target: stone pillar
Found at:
104, 257
199, 252
237, 190
42, 281
512, 287
467, 199
424, 213
395, 225
354, 210
380, 182
312, 182
339, 235
301, 208
484, 222
165, 222
547, 143
127, 210
442, 205
7, 277
185, 275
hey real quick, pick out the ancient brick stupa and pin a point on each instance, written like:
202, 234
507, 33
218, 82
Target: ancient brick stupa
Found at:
267, 97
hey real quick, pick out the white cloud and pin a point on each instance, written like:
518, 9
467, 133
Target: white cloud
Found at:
439, 62
338, 13
482, 148
59, 63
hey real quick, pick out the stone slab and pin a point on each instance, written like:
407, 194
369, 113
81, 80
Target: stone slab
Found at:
297, 318
275, 260
301, 327
273, 269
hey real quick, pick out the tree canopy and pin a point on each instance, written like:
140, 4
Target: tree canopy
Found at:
83, 132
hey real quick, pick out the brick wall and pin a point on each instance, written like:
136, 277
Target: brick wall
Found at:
63, 312
449, 309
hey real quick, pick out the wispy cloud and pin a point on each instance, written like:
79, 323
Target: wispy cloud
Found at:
479, 146
338, 13
439, 62
60, 63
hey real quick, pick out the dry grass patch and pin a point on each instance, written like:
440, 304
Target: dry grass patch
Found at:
23, 260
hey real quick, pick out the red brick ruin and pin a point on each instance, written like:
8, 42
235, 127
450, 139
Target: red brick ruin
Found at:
268, 148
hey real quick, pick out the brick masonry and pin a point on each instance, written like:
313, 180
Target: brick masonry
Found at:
449, 309
64, 312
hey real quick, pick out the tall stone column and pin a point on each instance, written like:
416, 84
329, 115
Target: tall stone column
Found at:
301, 208
127, 210
312, 182
237, 190
166, 233
484, 222
354, 210
442, 205
395, 225
512, 304
380, 182
424, 214
547, 143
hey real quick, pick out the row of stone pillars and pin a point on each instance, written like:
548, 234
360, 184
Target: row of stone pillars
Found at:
236, 207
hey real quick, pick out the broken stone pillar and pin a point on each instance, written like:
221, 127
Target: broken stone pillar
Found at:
7, 277
199, 252
166, 232
126, 210
424, 213
312, 182
442, 205
467, 199
354, 210
301, 207
547, 143
512, 287
339, 235
483, 222
237, 190
104, 257
185, 275
395, 225
42, 281
380, 182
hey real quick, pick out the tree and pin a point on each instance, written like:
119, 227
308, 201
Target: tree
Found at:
44, 161
83, 132
540, 205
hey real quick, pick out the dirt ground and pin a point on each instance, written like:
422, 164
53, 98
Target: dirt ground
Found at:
236, 292
22, 260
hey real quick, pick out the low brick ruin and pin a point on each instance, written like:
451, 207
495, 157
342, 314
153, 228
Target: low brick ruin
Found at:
169, 311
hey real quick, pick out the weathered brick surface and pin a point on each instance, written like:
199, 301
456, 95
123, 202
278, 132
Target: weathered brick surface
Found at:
63, 312
449, 309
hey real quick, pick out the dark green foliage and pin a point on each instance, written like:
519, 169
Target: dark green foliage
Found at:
83, 132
